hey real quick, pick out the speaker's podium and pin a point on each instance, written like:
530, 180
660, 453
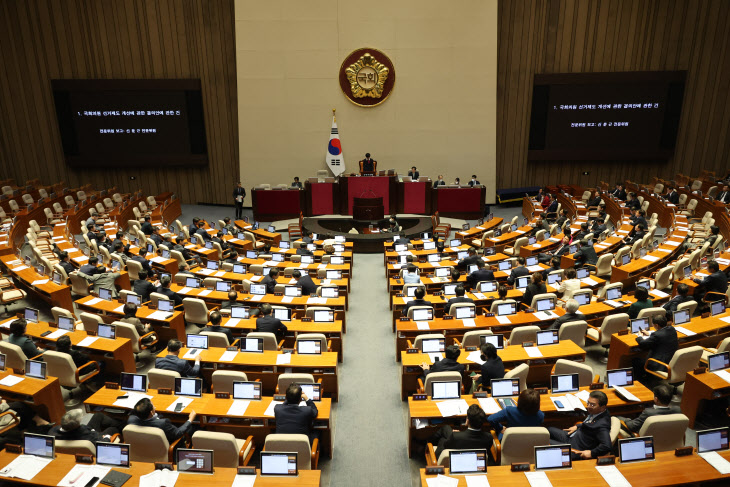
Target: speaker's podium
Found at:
368, 208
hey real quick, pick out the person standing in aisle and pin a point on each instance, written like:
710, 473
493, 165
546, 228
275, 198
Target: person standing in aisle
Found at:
239, 193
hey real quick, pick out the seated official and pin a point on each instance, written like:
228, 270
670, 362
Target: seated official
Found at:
143, 287
459, 298
179, 247
93, 267
130, 316
305, 282
571, 314
413, 173
518, 271
619, 192
411, 276
99, 428
418, 300
193, 228
304, 251
586, 255
230, 226
455, 275
147, 227
595, 200
121, 252
104, 280
368, 165
232, 300
448, 364
296, 184
552, 204
545, 257
711, 238
581, 234
672, 195
164, 288
662, 405
638, 234
639, 216
554, 266
570, 284
215, 326
632, 202
18, 337
440, 181
270, 280
144, 414
470, 438
724, 195
642, 302
535, 287
173, 362
661, 346
482, 273
292, 418
682, 296
268, 324
526, 413
65, 262
140, 257
492, 368
592, 437
474, 181
562, 217
716, 282
80, 359
471, 259
232, 257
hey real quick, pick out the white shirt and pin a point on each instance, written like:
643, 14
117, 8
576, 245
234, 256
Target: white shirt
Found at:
568, 287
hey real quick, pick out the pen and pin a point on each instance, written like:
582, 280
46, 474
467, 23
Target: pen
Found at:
77, 478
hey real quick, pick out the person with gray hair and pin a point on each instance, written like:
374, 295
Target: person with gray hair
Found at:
571, 314
99, 428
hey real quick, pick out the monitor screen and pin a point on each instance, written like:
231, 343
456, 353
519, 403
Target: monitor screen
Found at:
442, 272
531, 241
334, 260
718, 361
57, 278
455, 242
620, 377
572, 249
450, 288
505, 387
717, 307
645, 283
715, 439
324, 316
462, 254
309, 347
197, 341
38, 445
497, 340
308, 259
625, 259
194, 461
547, 337
107, 331
447, 389
222, 286
545, 304
522, 282
188, 387
681, 317
472, 268
639, 324
212, 265
250, 254
337, 274
422, 314
312, 391
66, 323
636, 449
248, 390
284, 245
582, 298
192, 282
279, 464
133, 382
552, 457
208, 245
3, 359
135, 299
105, 293
432, 345
513, 227
687, 272
258, 289
465, 312
31, 315
283, 314
613, 293
330, 292
429, 245
271, 229
277, 257
487, 286
505, 265
165, 305
239, 268
530, 261
255, 345
554, 278
293, 291
490, 251
467, 461
35, 369
564, 383
506, 309
581, 273
112, 454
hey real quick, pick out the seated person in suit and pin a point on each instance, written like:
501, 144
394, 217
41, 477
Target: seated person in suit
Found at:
440, 181
268, 324
716, 282
368, 164
270, 280
619, 192
65, 262
632, 202
592, 437
561, 249
230, 226
401, 240
455, 276
582, 232
80, 359
459, 298
457, 182
232, 299
662, 405
194, 226
724, 195
492, 368
173, 362
570, 284
472, 437
393, 226
202, 232
294, 419
482, 273
534, 288
571, 314
474, 181
104, 280
411, 276
120, 253
596, 200
187, 255
147, 227
419, 294
130, 316
143, 287
296, 184
140, 257
661, 346
562, 217
232, 257
598, 226
303, 250
518, 271
144, 414
307, 237
215, 326
552, 204
164, 288
526, 413
672, 195
92, 268
554, 266
18, 337
586, 255
642, 302
99, 428
448, 364
413, 173
682, 296
639, 233
305, 282
639, 217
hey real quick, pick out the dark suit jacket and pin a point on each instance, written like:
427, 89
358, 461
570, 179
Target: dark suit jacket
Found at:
715, 282
661, 345
147, 228
172, 432
270, 284
635, 220
633, 204
219, 329
91, 270
145, 263
619, 193
673, 197
467, 261
83, 432
671, 305
415, 302
517, 272
414, 175
439, 183
176, 364
269, 324
462, 440
491, 369
239, 192
635, 424
474, 183
553, 207
532, 290
368, 165
67, 266
586, 255
144, 288
175, 297
724, 196
594, 436
307, 284
304, 251
26, 345
594, 202
445, 365
293, 419
567, 317
475, 277
459, 299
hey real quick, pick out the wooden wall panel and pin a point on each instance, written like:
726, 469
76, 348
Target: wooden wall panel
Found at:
42, 40
562, 36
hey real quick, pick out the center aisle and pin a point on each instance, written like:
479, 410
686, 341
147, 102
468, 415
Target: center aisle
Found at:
370, 433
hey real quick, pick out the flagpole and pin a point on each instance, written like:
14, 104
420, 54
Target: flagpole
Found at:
334, 119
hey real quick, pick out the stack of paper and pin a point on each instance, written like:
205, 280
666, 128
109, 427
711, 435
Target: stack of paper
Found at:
243, 481
503, 320
545, 315
469, 323
479, 296
158, 315
442, 481
489, 405
159, 478
613, 303
423, 325
569, 403
657, 293
192, 353
287, 299
57, 334
685, 331
270, 410
232, 322
87, 342
622, 392
612, 476
82, 475
714, 459
257, 297
588, 281
25, 467
452, 407
93, 301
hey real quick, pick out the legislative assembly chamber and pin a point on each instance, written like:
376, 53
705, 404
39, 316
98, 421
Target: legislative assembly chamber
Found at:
507, 262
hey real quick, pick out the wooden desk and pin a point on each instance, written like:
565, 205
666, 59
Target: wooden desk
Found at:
223, 477
636, 269
511, 355
701, 388
213, 415
261, 233
51, 293
43, 395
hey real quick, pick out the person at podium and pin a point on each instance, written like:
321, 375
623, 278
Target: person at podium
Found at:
440, 181
368, 165
413, 174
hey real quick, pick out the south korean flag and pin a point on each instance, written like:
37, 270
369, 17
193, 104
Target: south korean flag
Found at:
335, 159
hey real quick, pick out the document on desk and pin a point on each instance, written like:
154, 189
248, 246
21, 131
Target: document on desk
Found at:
434, 356
257, 298
228, 356
283, 359
119, 309
25, 467
626, 395
10, 380
311, 300
270, 410
476, 357
86, 342
80, 259
476, 481
6, 323
93, 301
545, 315
256, 278
131, 399
159, 478
325, 282
232, 322
442, 481
612, 476
714, 459
613, 303
672, 243
452, 407
243, 481
206, 272
57, 334
423, 325
185, 401
722, 261
192, 353
658, 294
39, 282
287, 299
205, 292
538, 479
534, 268
723, 374
238, 408
569, 403
588, 281
23, 267
322, 266
479, 295
81, 475
583, 395
469, 323
220, 273
503, 320
663, 250
684, 330
489, 405
726, 319
158, 260
533, 352
159, 315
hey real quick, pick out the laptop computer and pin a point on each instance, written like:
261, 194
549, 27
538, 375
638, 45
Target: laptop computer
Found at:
639, 324
497, 340
562, 383
248, 390
433, 345
718, 361
423, 314
620, 377
504, 390
223, 286
505, 265
522, 282
313, 391
165, 305
330, 292
429, 245
530, 261
107, 331
258, 289
487, 286
31, 315
582, 298
281, 464
194, 461
553, 457
133, 382
717, 307
135, 299
547, 337
472, 268
39, 445
185, 386
282, 314
335, 274
645, 283
506, 309
57, 278
66, 323
613, 293
545, 304
255, 345
445, 389
468, 461
639, 449
35, 369
581, 273
240, 312
465, 312
681, 317
192, 282
105, 294
715, 439
293, 291
324, 316
196, 343
3, 360
309, 347
113, 454
554, 278
239, 268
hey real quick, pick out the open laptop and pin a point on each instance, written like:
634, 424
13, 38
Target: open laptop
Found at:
57, 278
277, 257
717, 307
625, 259
240, 312
293, 291
248, 390
620, 377
639, 449
39, 445
192, 282
681, 317
497, 340
309, 259
35, 369
582, 273
423, 314
165, 254
468, 461
562, 383
547, 337
522, 282
31, 315
445, 389
645, 283
532, 260
223, 286
718, 361
107, 331
239, 268
465, 312
330, 292
715, 439
186, 386
504, 390
194, 461
429, 245
281, 464
505, 265
3, 360
105, 294
283, 314
433, 345
582, 298
165, 305
313, 391
545, 304
472, 268
553, 457
455, 242
196, 344
309, 347
255, 345
284, 245
135, 299
613, 293
505, 309
133, 382
112, 454
487, 286
258, 289
212, 265
554, 278
334, 274
66, 323
324, 316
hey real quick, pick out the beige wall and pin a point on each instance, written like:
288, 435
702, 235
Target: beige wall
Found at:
441, 115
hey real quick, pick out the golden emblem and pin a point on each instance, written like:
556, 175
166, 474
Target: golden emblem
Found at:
367, 77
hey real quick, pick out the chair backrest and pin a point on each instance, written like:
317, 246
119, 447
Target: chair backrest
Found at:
521, 334
313, 336
196, 311
159, 378
696, 184
134, 268
574, 330
519, 372
603, 265
519, 442
472, 338
285, 380
69, 200
129, 331
224, 444
58, 311
79, 285
456, 306
14, 356
678, 271
156, 297
667, 430
91, 321
537, 297
663, 278
613, 324
615, 429
684, 360
61, 365
688, 305
651, 312
520, 242
413, 309
440, 376
72, 447
584, 371
426, 336
57, 207
291, 443
222, 380
216, 338
602, 291
270, 342
572, 294
147, 443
